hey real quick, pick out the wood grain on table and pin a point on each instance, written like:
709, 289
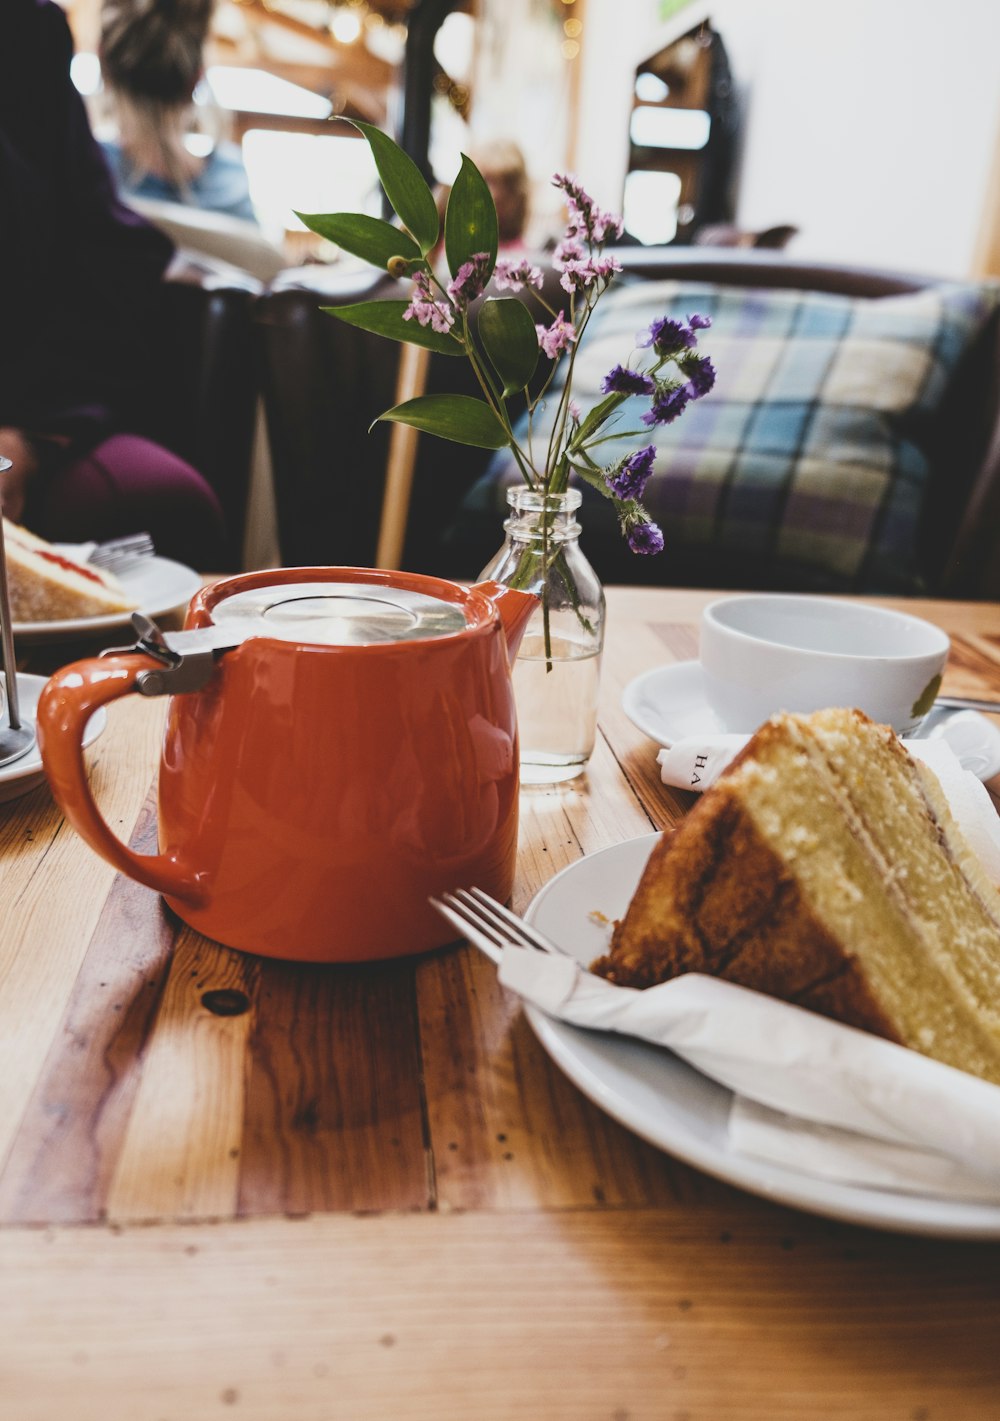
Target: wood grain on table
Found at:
237, 1187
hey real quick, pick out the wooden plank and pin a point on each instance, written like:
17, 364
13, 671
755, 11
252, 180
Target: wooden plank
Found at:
973, 667
560, 823
743, 1313
642, 647
54, 889
67, 1147
181, 1150
334, 1113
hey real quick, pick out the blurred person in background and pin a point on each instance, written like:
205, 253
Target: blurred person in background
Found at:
502, 164
80, 277
152, 59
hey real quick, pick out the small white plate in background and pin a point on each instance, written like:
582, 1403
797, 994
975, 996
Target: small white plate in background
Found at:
23, 775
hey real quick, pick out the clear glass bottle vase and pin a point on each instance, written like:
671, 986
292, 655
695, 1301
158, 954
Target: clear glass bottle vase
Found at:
557, 672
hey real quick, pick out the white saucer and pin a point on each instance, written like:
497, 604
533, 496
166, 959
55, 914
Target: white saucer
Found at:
23, 775
669, 704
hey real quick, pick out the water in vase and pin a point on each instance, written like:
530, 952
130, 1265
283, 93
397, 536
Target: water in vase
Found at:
557, 709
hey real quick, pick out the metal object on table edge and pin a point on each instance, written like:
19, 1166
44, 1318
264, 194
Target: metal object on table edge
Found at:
16, 739
967, 703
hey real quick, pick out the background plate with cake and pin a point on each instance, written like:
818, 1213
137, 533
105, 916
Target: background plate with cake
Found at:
56, 595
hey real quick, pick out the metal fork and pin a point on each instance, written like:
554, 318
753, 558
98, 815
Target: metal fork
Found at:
490, 926
117, 553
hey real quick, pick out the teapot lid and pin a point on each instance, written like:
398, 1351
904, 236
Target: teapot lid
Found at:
338, 613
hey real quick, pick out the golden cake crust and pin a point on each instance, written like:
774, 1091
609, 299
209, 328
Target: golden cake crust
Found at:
754, 927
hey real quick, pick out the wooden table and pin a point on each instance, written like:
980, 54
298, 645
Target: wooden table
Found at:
238, 1188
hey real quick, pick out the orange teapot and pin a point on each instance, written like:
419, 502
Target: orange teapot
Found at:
340, 745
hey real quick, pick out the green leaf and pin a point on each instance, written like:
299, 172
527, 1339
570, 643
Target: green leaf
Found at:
385, 318
470, 221
369, 238
593, 420
457, 417
510, 340
405, 187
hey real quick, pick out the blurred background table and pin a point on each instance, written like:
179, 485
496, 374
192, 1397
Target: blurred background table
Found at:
236, 1187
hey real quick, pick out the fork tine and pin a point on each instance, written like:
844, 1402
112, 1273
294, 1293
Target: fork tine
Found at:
449, 908
490, 925
510, 923
117, 552
126, 544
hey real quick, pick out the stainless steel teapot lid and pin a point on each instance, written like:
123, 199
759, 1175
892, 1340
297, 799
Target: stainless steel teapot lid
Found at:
337, 613
317, 613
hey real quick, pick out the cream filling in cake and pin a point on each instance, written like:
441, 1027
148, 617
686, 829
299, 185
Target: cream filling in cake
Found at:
938, 971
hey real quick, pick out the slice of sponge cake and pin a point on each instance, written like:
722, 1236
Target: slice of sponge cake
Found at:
46, 585
825, 867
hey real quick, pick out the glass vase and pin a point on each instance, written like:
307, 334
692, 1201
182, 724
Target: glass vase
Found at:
557, 672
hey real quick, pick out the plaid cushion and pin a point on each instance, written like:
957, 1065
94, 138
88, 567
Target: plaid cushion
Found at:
806, 462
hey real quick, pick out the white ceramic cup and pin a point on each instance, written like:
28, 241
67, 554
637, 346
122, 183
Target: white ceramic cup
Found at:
767, 652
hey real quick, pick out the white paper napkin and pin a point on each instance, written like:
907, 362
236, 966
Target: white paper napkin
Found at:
811, 1094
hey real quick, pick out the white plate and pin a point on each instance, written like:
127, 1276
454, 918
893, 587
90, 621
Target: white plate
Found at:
23, 775
158, 585
673, 1106
669, 703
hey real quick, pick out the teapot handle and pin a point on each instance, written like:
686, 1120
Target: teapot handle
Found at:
67, 702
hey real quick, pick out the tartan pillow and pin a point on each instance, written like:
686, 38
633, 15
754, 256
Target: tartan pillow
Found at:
806, 465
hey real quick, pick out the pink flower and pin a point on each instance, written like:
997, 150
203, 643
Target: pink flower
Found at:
470, 279
604, 222
568, 250
556, 338
579, 274
425, 310
585, 218
510, 275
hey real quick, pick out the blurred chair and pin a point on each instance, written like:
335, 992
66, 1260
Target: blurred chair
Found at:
202, 402
323, 383
722, 234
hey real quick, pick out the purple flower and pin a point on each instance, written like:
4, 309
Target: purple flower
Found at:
699, 323
623, 381
629, 478
557, 337
425, 310
700, 372
644, 537
470, 279
668, 336
669, 404
509, 275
